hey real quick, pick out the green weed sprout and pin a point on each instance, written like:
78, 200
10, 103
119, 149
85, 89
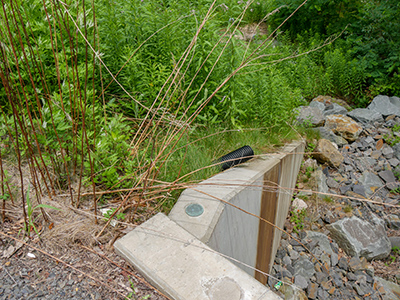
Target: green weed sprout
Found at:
31, 221
131, 294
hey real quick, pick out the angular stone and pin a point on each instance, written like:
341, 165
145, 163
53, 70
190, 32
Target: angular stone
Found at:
359, 189
393, 221
299, 204
385, 105
356, 264
304, 267
322, 239
312, 291
309, 115
301, 282
388, 289
334, 109
328, 134
334, 259
344, 189
376, 154
343, 264
394, 162
332, 183
365, 115
396, 149
326, 152
387, 151
317, 104
360, 238
371, 182
388, 178
395, 241
343, 126
320, 180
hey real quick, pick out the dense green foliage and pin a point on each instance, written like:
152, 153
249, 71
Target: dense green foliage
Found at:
370, 40
61, 104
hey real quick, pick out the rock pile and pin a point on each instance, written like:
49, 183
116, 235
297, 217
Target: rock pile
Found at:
359, 166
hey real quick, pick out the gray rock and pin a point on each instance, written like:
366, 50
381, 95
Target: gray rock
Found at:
321, 183
365, 115
361, 289
286, 260
393, 221
396, 149
320, 276
322, 240
388, 178
317, 104
351, 276
332, 183
395, 241
387, 151
334, 109
309, 115
328, 134
385, 105
293, 255
364, 163
359, 189
301, 282
371, 182
344, 189
304, 267
391, 289
394, 162
360, 238
334, 259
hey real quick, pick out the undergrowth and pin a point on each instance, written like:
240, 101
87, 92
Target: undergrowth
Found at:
138, 98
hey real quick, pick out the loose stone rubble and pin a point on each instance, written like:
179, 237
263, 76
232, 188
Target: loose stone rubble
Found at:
359, 159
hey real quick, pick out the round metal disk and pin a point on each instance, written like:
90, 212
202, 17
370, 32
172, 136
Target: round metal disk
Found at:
194, 210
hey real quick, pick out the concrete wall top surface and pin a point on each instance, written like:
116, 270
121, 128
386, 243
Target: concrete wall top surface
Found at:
184, 268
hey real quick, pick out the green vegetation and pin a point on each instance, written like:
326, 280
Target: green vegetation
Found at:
30, 223
138, 98
297, 217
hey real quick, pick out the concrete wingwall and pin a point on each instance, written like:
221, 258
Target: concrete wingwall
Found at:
238, 202
230, 214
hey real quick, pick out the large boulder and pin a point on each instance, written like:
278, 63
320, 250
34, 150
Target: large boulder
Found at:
326, 152
343, 126
361, 238
365, 115
309, 116
386, 105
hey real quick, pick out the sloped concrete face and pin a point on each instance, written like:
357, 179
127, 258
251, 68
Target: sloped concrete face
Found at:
182, 267
185, 255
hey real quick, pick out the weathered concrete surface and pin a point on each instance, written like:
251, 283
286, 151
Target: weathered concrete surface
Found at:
230, 230
182, 267
361, 238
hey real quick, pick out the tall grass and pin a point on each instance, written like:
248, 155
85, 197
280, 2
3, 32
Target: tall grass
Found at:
110, 95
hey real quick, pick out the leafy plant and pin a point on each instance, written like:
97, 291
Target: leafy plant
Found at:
297, 217
30, 218
133, 294
120, 216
